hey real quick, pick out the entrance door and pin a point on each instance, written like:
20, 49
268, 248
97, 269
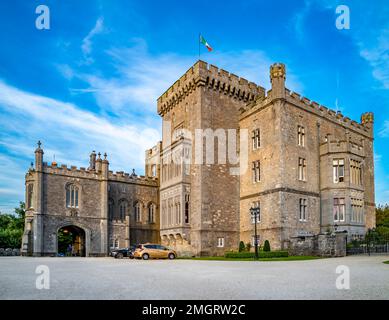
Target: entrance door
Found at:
71, 241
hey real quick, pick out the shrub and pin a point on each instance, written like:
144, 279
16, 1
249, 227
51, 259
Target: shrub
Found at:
248, 246
262, 254
241, 246
266, 246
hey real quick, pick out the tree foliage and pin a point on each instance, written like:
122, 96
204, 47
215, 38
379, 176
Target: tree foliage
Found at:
241, 246
266, 246
12, 227
382, 216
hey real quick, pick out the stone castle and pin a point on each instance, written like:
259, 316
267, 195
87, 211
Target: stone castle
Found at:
308, 169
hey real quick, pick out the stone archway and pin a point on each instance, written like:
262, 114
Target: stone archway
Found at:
71, 241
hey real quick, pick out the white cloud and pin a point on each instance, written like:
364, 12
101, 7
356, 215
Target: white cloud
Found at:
140, 78
377, 55
86, 46
66, 131
384, 132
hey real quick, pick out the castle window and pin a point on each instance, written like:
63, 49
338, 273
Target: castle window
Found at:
355, 172
301, 136
256, 171
339, 210
154, 170
72, 195
338, 170
303, 210
302, 169
220, 242
30, 193
256, 204
110, 209
151, 215
138, 212
357, 211
186, 218
122, 210
256, 140
177, 206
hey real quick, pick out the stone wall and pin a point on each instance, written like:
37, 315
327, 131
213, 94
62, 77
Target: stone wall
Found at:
324, 245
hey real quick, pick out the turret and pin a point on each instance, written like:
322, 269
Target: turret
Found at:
98, 163
39, 158
105, 167
92, 161
367, 119
277, 78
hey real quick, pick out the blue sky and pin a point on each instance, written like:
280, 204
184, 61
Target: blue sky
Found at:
92, 80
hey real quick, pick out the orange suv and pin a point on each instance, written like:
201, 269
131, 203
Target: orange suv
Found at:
153, 251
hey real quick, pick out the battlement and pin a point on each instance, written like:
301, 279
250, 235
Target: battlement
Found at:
74, 172
342, 146
210, 76
332, 115
125, 177
294, 98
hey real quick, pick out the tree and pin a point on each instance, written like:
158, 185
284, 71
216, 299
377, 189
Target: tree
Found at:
266, 246
382, 215
12, 227
241, 246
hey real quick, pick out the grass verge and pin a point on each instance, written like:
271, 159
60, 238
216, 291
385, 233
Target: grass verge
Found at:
290, 258
386, 262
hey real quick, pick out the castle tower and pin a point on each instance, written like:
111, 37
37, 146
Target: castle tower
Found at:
199, 197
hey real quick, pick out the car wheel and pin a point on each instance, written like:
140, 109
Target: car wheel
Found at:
119, 256
145, 256
171, 256
131, 257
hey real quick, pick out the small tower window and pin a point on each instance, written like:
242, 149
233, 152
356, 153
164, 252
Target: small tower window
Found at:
30, 193
72, 196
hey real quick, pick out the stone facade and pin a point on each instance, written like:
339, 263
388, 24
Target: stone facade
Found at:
227, 145
104, 210
316, 168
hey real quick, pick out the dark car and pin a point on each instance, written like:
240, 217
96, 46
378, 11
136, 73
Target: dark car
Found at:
123, 253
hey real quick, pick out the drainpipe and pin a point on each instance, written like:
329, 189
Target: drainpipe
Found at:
319, 172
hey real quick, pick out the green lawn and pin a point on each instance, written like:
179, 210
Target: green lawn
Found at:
291, 258
386, 262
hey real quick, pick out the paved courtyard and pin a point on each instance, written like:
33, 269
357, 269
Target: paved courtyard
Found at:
108, 278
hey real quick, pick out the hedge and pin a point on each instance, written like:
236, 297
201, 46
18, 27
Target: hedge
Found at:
262, 254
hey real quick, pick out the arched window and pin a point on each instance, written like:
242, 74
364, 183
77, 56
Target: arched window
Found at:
151, 210
30, 192
110, 209
138, 211
123, 210
72, 196
187, 208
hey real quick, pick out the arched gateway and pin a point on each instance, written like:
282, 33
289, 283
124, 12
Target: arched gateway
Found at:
71, 241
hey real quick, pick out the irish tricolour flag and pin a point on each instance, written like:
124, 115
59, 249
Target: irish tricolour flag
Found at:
204, 42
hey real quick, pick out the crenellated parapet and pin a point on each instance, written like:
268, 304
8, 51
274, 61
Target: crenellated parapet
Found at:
278, 91
364, 128
329, 114
205, 75
84, 173
125, 177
